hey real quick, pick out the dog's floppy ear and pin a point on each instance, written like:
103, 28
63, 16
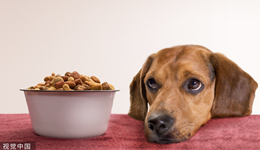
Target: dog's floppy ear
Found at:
234, 89
138, 101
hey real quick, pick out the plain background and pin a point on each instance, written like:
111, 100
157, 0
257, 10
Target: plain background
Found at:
111, 39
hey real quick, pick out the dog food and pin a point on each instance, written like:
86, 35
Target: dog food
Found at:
70, 82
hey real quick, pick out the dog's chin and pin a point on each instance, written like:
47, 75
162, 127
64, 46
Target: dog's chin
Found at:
166, 139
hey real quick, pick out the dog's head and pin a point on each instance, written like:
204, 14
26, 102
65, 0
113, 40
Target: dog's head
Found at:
185, 86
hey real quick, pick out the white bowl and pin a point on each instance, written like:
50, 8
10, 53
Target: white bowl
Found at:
69, 114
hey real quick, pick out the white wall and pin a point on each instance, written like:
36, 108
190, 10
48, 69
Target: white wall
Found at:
112, 38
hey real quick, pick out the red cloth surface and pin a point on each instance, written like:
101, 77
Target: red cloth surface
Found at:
127, 133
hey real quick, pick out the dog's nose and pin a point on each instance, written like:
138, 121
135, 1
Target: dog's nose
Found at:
159, 124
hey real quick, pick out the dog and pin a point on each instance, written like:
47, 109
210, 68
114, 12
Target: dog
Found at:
185, 86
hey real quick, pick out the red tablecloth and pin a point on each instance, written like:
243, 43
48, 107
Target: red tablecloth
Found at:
127, 133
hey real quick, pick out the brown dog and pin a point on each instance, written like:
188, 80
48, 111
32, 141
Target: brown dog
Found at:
185, 87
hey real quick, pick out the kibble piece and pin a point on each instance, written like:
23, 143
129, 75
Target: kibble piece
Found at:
86, 87
47, 79
39, 85
82, 87
93, 85
75, 75
95, 79
68, 74
43, 88
53, 74
66, 87
65, 78
79, 87
105, 86
84, 78
48, 85
55, 80
96, 87
51, 77
78, 82
58, 75
70, 79
111, 87
59, 84
71, 84
52, 88
31, 88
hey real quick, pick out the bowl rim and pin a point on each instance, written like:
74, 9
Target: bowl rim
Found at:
71, 91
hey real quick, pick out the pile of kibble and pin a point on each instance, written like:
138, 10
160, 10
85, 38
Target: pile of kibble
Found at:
71, 81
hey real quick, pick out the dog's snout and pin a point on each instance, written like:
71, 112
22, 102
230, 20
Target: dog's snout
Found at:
159, 124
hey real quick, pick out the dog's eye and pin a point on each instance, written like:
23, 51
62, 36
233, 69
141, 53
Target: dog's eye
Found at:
194, 84
151, 83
